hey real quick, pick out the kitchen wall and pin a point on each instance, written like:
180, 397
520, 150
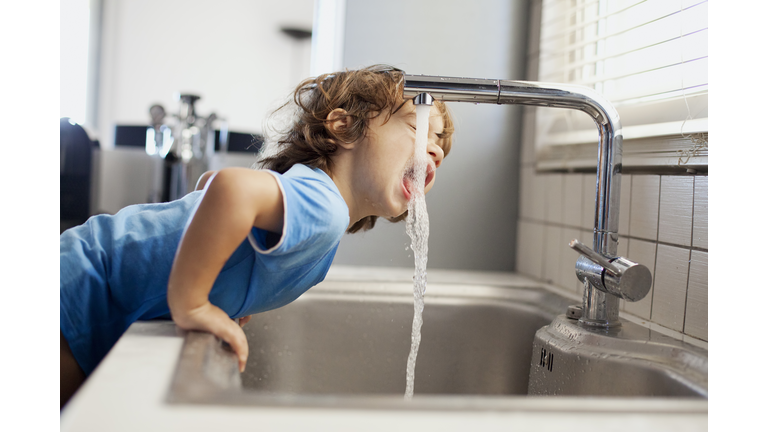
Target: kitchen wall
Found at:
473, 206
663, 224
230, 52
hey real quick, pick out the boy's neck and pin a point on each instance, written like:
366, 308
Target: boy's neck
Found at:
342, 178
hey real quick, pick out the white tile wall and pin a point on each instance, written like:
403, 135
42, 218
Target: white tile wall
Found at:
527, 154
530, 248
552, 253
554, 194
572, 199
589, 183
676, 210
696, 316
622, 249
670, 286
526, 193
700, 216
624, 207
538, 201
644, 219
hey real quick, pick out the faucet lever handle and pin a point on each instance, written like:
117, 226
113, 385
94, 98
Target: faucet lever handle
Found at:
594, 257
617, 276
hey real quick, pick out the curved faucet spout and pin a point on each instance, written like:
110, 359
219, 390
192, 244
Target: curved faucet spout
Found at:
599, 308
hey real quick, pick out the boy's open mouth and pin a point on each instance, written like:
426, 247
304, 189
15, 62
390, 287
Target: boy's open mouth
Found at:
408, 178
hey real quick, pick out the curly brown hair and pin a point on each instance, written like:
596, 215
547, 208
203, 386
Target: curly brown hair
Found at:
364, 94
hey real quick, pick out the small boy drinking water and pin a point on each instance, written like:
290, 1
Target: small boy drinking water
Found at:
247, 241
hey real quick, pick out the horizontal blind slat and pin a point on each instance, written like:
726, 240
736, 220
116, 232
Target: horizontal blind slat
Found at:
688, 74
673, 94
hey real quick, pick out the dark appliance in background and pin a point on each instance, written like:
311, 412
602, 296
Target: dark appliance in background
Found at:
76, 161
238, 142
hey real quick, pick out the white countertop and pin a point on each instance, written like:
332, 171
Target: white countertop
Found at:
127, 391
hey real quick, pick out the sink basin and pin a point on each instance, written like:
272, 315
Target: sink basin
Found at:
475, 340
346, 342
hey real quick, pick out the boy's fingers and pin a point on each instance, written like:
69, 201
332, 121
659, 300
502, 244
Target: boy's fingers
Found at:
235, 337
245, 320
214, 320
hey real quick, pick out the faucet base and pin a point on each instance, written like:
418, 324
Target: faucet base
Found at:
631, 361
599, 309
600, 324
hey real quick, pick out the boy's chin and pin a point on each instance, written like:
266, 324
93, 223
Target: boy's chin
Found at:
400, 217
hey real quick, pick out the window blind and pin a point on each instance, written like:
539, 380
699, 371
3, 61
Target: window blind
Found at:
648, 57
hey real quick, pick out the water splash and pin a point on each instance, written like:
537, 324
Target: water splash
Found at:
417, 228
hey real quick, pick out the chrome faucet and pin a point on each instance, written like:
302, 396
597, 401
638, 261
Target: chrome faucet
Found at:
606, 277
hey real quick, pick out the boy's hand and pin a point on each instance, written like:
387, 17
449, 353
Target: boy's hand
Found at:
212, 319
244, 320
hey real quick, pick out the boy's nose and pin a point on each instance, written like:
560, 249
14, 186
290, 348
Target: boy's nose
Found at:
435, 153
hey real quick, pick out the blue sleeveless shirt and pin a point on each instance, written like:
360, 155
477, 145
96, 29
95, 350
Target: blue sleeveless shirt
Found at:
114, 269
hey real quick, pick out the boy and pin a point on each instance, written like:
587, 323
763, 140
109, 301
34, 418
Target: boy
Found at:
250, 240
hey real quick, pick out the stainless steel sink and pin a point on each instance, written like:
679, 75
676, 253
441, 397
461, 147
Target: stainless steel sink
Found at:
345, 343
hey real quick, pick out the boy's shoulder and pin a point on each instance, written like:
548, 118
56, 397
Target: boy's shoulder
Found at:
305, 171
313, 178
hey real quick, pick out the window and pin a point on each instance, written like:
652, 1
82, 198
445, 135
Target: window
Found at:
75, 25
649, 58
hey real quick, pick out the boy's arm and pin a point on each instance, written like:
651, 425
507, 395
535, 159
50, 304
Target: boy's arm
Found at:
235, 200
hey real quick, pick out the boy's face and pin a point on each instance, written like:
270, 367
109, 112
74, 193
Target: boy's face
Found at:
386, 154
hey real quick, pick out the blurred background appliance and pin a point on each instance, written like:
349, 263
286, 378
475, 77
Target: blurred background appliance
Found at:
162, 160
76, 166
182, 147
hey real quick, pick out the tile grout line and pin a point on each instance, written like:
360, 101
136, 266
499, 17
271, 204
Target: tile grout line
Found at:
690, 257
543, 222
656, 257
629, 220
562, 197
687, 286
544, 233
629, 223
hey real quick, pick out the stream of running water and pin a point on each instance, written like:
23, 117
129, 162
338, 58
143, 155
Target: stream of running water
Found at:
417, 228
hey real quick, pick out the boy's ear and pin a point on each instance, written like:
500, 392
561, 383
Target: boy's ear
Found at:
338, 123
